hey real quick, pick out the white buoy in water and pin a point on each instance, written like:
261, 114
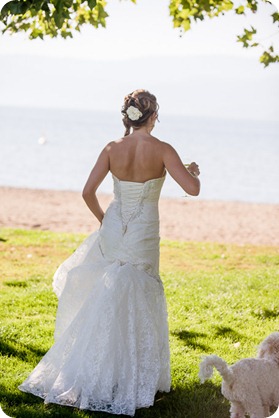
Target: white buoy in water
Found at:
42, 140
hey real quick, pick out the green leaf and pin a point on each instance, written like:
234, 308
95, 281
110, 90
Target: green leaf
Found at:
186, 24
227, 5
240, 10
45, 7
269, 57
65, 34
13, 7
253, 5
5, 11
92, 3
59, 19
36, 33
67, 3
25, 27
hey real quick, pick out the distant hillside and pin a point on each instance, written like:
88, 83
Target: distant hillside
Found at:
194, 85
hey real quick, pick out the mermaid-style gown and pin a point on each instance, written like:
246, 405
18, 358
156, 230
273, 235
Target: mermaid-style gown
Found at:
111, 350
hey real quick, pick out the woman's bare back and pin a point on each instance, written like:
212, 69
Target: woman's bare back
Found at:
137, 157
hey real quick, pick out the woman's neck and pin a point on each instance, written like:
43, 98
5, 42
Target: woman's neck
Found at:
144, 130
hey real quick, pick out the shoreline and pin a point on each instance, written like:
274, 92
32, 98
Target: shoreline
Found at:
188, 219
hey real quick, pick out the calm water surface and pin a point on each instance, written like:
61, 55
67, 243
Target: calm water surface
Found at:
239, 159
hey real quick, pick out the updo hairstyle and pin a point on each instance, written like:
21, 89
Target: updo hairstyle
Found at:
142, 100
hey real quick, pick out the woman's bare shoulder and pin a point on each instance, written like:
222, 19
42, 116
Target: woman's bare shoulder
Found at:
161, 143
114, 143
120, 142
166, 147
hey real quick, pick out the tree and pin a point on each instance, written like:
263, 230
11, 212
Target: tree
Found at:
40, 18
184, 12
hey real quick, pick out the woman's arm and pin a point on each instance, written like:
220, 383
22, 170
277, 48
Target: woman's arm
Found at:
186, 178
95, 178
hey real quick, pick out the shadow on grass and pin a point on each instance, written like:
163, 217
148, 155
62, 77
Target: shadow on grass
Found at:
266, 313
227, 332
18, 404
14, 283
193, 401
13, 350
191, 339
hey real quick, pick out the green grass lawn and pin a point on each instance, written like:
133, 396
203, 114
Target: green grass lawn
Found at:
222, 299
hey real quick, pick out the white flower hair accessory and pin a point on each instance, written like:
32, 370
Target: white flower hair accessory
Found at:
133, 113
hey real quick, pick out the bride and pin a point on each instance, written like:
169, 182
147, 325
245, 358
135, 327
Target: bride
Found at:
111, 350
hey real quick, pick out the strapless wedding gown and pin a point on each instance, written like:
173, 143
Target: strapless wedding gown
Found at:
111, 350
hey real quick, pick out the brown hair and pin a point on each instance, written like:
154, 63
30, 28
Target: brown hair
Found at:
145, 102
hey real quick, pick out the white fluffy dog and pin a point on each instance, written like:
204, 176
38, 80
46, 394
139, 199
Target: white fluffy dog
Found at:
252, 384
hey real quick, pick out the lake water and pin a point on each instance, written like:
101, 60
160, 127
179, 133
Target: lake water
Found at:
239, 159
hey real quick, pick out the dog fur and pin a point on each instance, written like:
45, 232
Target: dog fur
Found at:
252, 384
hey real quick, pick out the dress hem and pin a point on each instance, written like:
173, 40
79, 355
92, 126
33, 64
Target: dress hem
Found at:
40, 395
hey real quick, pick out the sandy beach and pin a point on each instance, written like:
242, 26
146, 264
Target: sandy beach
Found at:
187, 219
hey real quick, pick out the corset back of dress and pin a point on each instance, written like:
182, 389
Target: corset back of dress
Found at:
130, 229
134, 197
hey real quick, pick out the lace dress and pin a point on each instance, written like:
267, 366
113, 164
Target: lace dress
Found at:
111, 350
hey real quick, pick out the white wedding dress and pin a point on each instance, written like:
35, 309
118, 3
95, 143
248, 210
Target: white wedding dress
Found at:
111, 350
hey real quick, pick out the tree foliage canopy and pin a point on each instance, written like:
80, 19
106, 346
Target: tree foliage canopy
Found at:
40, 18
184, 12
52, 18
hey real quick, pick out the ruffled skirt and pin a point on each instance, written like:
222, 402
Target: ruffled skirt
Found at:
111, 350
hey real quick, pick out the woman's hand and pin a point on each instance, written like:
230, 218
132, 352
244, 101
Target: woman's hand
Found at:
193, 168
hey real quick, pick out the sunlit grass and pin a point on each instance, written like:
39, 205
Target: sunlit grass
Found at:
222, 299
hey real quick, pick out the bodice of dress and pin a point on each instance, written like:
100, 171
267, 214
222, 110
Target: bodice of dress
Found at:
130, 228
135, 197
